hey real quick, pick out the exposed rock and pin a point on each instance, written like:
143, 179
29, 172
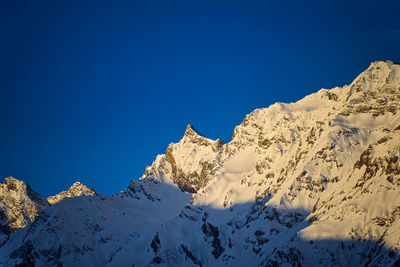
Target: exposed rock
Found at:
19, 204
76, 190
189, 163
310, 183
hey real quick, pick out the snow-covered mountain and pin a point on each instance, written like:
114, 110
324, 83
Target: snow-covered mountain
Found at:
316, 182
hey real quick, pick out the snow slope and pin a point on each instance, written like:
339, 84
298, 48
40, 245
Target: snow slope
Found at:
314, 182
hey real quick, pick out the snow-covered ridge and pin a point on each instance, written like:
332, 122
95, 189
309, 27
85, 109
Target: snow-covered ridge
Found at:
310, 183
197, 158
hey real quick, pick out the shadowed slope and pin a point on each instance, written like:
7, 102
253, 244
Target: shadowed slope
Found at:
314, 182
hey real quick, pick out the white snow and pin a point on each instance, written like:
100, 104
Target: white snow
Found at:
314, 182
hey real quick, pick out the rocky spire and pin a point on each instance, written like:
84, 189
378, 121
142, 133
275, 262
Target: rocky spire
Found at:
192, 132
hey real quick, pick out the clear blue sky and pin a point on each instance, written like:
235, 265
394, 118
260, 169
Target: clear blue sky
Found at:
93, 92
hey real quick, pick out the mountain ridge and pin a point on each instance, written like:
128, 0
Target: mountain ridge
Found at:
313, 182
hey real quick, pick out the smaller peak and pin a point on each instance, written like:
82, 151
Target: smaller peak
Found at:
77, 189
191, 131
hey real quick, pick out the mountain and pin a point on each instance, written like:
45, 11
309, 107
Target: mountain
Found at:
19, 206
311, 183
77, 189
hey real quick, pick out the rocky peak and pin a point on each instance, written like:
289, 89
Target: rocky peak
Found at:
19, 204
188, 163
306, 183
379, 69
378, 76
375, 91
77, 189
12, 183
193, 136
192, 132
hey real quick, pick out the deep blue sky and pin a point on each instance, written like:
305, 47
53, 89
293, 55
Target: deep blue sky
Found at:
93, 92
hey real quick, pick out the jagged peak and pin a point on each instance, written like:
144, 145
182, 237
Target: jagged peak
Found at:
77, 185
11, 181
79, 189
191, 131
194, 136
13, 184
19, 203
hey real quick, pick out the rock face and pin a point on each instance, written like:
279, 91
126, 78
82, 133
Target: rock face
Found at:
190, 163
19, 206
77, 189
316, 182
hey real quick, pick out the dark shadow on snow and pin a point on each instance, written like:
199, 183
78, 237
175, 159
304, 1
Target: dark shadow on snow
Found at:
267, 235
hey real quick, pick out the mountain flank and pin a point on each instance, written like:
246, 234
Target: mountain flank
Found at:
310, 183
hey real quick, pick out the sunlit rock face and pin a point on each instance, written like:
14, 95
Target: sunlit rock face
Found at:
19, 206
77, 189
316, 182
19, 203
190, 163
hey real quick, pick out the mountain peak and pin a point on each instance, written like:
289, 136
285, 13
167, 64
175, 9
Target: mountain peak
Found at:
20, 188
19, 204
305, 183
382, 63
77, 189
191, 131
378, 74
13, 183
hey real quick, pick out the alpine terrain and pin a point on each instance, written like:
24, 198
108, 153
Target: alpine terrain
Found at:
311, 183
